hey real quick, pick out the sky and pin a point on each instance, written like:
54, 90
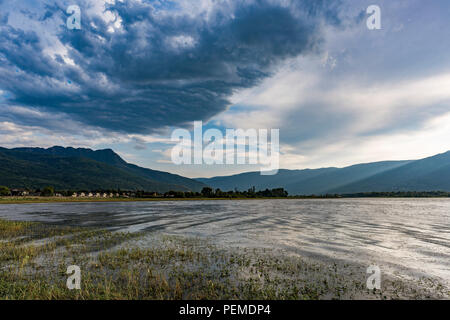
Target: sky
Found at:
339, 92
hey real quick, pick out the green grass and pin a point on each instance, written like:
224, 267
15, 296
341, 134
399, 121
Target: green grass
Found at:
19, 200
116, 265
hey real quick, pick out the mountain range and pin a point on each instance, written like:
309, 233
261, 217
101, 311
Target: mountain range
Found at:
429, 174
86, 169
83, 169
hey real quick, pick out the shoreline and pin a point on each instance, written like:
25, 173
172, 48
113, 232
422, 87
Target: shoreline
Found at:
38, 199
91, 200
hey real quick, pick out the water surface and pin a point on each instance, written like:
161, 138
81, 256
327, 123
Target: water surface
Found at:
399, 235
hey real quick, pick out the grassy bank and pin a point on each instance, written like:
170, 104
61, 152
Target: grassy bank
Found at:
114, 265
19, 200
395, 195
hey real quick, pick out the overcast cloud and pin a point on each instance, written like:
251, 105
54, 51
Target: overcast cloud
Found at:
338, 92
139, 66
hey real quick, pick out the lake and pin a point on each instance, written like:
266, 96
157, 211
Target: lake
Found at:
401, 236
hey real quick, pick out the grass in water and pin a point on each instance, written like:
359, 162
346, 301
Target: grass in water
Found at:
114, 265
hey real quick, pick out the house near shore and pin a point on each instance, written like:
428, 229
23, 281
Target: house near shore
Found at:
19, 192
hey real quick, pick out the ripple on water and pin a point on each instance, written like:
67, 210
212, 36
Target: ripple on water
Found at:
397, 234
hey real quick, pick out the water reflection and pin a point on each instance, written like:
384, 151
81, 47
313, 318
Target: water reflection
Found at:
412, 234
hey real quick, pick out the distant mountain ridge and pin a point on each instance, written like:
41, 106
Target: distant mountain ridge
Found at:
85, 169
429, 174
81, 168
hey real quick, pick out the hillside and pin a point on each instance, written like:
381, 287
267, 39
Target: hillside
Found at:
86, 169
77, 169
429, 174
245, 181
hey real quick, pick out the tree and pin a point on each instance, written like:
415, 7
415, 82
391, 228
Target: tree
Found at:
48, 191
279, 192
4, 191
251, 192
207, 192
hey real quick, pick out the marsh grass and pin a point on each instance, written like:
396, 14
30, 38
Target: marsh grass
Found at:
115, 265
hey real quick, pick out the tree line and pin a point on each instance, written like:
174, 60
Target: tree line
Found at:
206, 192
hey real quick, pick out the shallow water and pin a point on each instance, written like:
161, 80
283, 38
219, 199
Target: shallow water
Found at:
399, 235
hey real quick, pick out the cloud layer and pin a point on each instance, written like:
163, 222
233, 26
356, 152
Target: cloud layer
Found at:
137, 66
339, 93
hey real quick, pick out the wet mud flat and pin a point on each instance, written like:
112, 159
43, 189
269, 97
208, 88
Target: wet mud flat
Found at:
118, 265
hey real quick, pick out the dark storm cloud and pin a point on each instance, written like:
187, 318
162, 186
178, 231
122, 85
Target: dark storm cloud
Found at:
160, 68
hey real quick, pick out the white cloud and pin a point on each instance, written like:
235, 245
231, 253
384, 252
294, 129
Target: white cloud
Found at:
336, 121
430, 140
